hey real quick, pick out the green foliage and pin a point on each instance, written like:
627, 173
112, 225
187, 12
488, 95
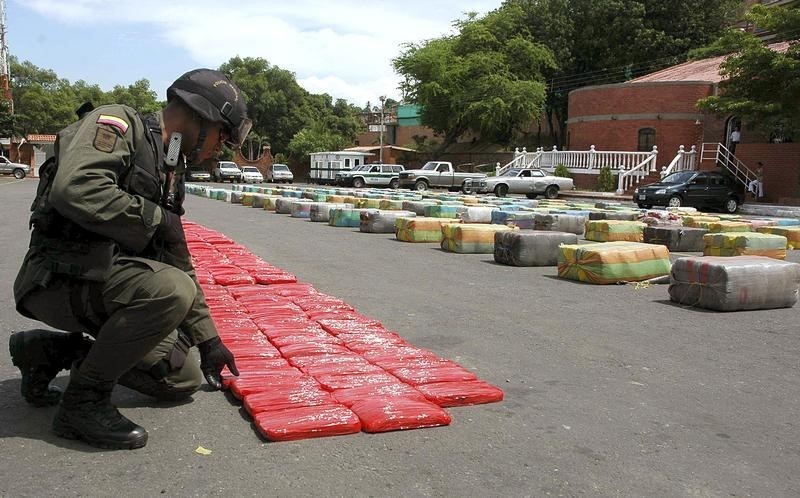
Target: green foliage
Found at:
562, 171
762, 86
281, 158
605, 180
7, 120
315, 138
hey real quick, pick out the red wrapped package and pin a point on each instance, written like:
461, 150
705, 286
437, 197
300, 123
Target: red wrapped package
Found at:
397, 353
447, 373
393, 364
284, 397
299, 338
332, 382
245, 385
263, 277
282, 330
307, 422
303, 362
337, 326
342, 368
238, 291
311, 348
354, 394
461, 393
253, 350
295, 289
382, 414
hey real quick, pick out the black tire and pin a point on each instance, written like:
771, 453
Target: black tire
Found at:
531, 196
421, 186
358, 183
675, 201
731, 205
19, 174
394, 183
501, 190
551, 192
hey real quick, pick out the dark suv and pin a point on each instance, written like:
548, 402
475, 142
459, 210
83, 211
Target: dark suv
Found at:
699, 189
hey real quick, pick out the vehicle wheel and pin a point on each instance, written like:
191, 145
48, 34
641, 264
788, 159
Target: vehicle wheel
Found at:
421, 186
395, 183
19, 174
551, 192
358, 183
501, 190
466, 187
531, 196
674, 201
731, 205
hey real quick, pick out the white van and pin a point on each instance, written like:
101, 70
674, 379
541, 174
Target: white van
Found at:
279, 173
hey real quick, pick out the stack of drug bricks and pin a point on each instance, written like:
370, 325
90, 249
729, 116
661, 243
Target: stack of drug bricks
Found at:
310, 364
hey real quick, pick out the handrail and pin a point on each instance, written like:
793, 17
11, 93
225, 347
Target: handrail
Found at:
681, 162
726, 158
625, 179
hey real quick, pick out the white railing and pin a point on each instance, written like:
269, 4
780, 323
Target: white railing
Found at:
725, 158
683, 161
630, 177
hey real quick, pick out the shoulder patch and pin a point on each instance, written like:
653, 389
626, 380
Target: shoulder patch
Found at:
104, 140
114, 121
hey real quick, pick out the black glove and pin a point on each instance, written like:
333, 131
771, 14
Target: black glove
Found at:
214, 356
170, 230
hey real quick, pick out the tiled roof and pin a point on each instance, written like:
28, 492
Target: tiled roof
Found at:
700, 70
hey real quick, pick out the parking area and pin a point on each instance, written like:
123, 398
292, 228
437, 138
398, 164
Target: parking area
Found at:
610, 390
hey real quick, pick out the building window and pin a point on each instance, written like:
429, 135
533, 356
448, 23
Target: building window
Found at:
647, 139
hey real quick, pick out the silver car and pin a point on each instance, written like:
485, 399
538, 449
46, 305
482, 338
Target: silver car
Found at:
17, 169
531, 182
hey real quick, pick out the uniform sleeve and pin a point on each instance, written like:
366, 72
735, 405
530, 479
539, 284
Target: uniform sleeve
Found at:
198, 323
90, 164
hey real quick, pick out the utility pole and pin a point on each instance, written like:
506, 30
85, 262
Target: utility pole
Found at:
5, 74
380, 154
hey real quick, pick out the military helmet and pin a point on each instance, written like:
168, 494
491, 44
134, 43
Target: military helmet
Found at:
216, 99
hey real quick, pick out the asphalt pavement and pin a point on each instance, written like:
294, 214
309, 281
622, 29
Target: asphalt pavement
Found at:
610, 390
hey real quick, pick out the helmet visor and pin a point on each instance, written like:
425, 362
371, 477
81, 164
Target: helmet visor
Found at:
238, 134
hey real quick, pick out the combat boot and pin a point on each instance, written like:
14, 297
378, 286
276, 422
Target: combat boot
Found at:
86, 413
40, 355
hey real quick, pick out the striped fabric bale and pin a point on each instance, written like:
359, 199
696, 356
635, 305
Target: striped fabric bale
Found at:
471, 238
475, 214
390, 205
247, 198
336, 199
606, 205
259, 199
612, 262
270, 202
694, 220
285, 192
559, 223
792, 234
724, 226
615, 215
745, 244
787, 222
315, 196
734, 283
442, 211
223, 195
530, 247
677, 239
420, 229
418, 207
301, 208
520, 219
345, 217
321, 211
381, 221
370, 203
614, 231
236, 197
757, 223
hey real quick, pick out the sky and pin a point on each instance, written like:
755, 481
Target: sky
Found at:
343, 48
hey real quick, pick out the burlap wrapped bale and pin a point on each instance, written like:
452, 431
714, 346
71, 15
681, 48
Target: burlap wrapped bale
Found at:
560, 223
421, 229
734, 283
612, 262
614, 230
471, 238
521, 219
744, 243
382, 221
475, 214
677, 239
792, 234
530, 248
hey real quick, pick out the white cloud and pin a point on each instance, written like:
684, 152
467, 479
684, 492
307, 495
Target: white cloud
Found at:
341, 48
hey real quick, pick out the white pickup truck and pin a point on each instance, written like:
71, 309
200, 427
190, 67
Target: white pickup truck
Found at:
441, 174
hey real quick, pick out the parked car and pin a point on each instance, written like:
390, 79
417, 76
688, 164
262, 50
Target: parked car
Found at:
441, 174
198, 175
251, 174
227, 171
699, 189
279, 173
531, 182
17, 169
372, 175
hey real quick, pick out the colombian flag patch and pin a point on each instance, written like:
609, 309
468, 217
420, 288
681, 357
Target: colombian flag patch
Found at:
114, 121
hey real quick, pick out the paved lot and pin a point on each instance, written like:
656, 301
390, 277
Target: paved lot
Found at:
610, 390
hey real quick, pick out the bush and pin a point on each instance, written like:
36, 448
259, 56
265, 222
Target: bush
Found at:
562, 171
605, 180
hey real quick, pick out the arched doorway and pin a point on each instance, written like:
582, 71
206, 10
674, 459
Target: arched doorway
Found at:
731, 124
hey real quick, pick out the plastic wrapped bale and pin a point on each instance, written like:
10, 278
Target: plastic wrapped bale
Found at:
787, 222
421, 229
661, 218
792, 234
612, 262
370, 203
734, 283
758, 223
345, 217
382, 221
614, 231
442, 211
475, 214
270, 203
283, 205
615, 215
677, 239
301, 209
744, 243
258, 200
530, 248
521, 219
724, 226
606, 205
390, 205
236, 197
693, 220
560, 223
471, 238
418, 207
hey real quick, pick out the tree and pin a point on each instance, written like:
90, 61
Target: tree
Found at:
762, 85
315, 138
487, 79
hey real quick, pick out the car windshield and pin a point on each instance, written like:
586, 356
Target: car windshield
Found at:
430, 166
228, 166
250, 169
512, 172
679, 177
280, 167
